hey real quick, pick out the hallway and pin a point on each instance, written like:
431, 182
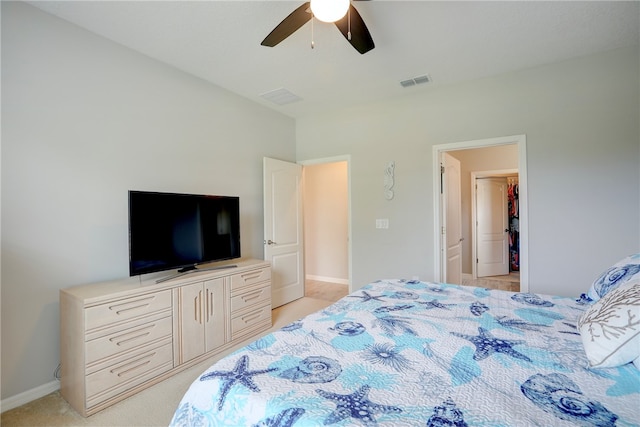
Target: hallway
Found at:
510, 282
325, 290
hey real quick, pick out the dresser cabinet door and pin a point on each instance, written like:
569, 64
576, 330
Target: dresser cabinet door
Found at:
215, 317
203, 319
191, 321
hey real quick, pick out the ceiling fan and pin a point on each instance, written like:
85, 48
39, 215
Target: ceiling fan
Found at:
350, 25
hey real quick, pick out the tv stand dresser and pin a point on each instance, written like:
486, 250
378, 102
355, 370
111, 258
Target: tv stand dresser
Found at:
120, 337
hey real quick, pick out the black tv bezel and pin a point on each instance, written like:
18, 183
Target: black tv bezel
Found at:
182, 268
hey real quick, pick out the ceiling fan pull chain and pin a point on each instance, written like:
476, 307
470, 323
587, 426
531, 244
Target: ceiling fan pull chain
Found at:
349, 22
312, 42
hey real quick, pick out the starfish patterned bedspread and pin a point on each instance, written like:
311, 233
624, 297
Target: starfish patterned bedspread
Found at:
409, 353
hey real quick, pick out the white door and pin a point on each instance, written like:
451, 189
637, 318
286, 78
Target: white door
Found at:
453, 221
493, 227
283, 244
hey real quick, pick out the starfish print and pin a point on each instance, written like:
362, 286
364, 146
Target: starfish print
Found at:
486, 345
239, 374
356, 405
434, 303
367, 297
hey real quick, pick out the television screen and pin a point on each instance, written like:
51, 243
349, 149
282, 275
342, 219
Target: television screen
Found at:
168, 230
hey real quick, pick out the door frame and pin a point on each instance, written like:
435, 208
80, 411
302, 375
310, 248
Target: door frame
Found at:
335, 159
438, 212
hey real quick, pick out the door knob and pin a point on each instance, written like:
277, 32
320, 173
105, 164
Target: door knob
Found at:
270, 242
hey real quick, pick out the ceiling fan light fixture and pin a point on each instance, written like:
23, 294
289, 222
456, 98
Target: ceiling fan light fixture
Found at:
329, 10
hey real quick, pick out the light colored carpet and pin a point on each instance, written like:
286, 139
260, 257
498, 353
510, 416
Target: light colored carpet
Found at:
509, 282
325, 290
151, 407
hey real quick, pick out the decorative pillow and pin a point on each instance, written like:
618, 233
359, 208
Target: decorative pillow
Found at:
610, 328
621, 272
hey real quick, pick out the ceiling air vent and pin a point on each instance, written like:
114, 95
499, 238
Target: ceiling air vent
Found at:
281, 96
415, 81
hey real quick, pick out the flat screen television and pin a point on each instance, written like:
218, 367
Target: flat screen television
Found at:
179, 231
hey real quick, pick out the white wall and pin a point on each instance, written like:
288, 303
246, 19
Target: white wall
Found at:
580, 118
325, 222
83, 121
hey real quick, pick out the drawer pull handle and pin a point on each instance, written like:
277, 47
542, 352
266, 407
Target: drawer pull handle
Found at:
252, 275
250, 317
251, 296
197, 308
210, 305
137, 364
120, 310
126, 338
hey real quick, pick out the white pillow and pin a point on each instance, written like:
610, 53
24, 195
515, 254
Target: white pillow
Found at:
610, 328
623, 271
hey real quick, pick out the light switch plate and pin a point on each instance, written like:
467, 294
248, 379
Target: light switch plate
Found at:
382, 223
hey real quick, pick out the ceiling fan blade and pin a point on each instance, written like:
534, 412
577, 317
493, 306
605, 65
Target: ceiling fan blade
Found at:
360, 37
288, 26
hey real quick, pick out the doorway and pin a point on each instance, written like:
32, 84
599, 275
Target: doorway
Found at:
327, 239
440, 208
495, 224
284, 240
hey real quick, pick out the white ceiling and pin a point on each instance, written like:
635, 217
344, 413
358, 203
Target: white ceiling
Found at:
451, 41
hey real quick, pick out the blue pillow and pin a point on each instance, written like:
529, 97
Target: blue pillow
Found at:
621, 272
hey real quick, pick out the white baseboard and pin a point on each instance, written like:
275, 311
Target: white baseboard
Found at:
327, 279
29, 395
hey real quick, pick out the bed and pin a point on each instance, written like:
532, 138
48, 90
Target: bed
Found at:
407, 353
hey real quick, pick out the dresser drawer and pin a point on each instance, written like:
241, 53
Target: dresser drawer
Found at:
242, 300
142, 366
115, 343
249, 278
123, 310
249, 319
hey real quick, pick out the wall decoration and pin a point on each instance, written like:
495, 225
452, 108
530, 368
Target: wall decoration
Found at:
389, 180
